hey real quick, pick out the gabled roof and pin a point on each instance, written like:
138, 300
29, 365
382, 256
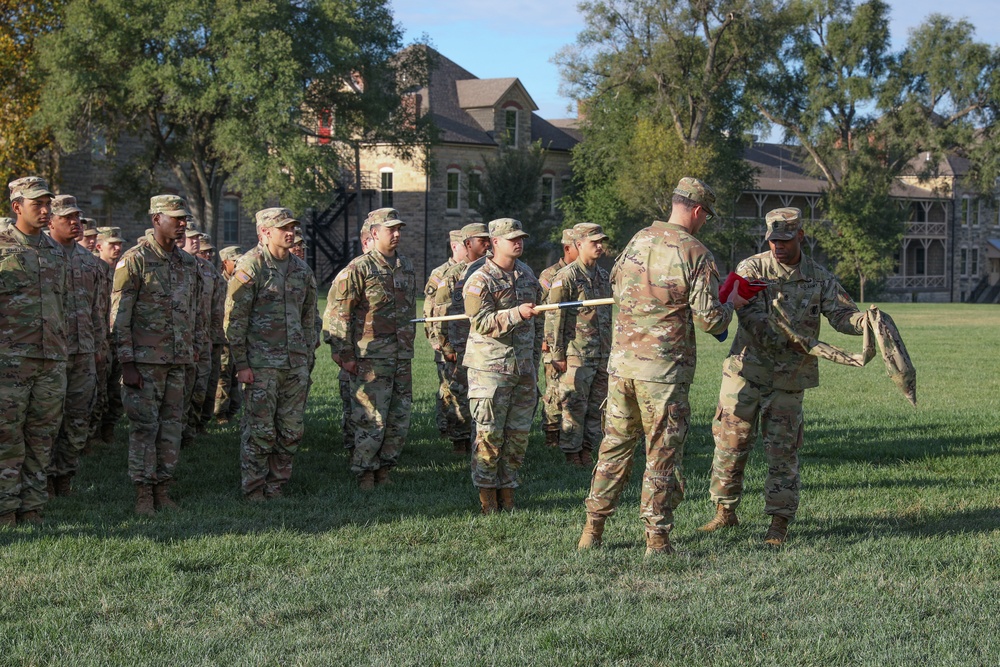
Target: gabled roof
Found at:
482, 93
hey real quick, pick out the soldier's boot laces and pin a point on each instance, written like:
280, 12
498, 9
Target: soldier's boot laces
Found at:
725, 517
505, 499
586, 460
573, 458
778, 532
161, 497
593, 530
552, 438
63, 485
488, 501
367, 480
382, 477
658, 544
144, 500
8, 520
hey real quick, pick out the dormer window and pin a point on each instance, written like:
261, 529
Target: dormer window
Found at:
510, 127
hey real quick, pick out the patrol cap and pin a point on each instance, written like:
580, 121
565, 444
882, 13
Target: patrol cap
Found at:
230, 253
589, 230
101, 231
386, 217
366, 228
298, 240
455, 236
275, 217
697, 191
475, 229
206, 243
29, 187
783, 224
172, 205
192, 233
568, 236
64, 205
109, 237
507, 228
89, 227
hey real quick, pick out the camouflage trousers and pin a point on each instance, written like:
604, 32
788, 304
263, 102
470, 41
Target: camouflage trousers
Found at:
196, 386
228, 397
661, 411
208, 399
346, 421
455, 387
32, 392
742, 406
78, 408
273, 425
551, 410
582, 390
503, 407
156, 421
381, 397
108, 407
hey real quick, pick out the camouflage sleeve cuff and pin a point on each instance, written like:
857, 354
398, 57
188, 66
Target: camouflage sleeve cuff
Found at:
515, 315
558, 355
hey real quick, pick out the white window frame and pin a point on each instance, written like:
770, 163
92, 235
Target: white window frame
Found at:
963, 261
449, 192
974, 262
979, 212
517, 123
386, 198
474, 205
99, 208
226, 239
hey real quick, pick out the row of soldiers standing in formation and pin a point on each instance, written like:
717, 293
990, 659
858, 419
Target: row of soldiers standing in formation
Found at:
664, 283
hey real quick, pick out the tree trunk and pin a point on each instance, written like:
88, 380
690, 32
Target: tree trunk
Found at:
861, 282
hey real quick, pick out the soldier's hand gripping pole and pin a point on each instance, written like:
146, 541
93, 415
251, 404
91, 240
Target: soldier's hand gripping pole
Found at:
548, 306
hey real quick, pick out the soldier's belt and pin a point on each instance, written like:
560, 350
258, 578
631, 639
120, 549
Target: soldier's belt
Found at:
548, 306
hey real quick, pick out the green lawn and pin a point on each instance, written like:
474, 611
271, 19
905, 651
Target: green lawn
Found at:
893, 559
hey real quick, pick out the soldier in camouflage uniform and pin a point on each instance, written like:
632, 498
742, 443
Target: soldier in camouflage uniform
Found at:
203, 403
86, 334
87, 237
198, 372
579, 341
445, 418
665, 282
33, 351
108, 407
552, 422
764, 377
228, 397
502, 356
367, 323
153, 313
270, 325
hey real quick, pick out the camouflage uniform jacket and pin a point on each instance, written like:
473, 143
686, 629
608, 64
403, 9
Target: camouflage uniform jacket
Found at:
759, 352
579, 332
368, 317
448, 300
501, 341
664, 282
270, 316
219, 308
153, 305
33, 296
107, 273
435, 281
211, 304
545, 279
87, 323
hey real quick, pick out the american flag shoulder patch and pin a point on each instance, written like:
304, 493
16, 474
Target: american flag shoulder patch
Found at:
545, 283
556, 284
120, 264
243, 277
474, 289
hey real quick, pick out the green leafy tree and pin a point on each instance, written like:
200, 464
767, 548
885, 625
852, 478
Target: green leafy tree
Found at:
232, 92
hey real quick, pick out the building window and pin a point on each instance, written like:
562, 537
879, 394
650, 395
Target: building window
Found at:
996, 211
548, 193
966, 211
510, 126
963, 262
920, 262
100, 208
974, 262
231, 221
978, 212
475, 190
452, 190
386, 187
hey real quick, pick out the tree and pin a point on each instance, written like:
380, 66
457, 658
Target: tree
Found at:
232, 92
863, 113
662, 86
25, 147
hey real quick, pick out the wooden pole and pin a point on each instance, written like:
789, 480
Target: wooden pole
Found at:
543, 308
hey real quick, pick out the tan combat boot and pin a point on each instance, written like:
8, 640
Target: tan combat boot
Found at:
586, 460
63, 485
255, 496
776, 534
161, 497
658, 544
50, 487
366, 482
460, 446
8, 520
725, 517
505, 499
552, 438
573, 458
144, 500
382, 477
31, 516
593, 530
488, 500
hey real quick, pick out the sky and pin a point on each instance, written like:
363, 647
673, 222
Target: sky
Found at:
520, 37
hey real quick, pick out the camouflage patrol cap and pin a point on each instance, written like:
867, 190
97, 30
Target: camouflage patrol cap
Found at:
64, 205
230, 253
697, 191
507, 228
568, 236
298, 240
366, 229
109, 235
275, 217
172, 205
29, 187
475, 229
192, 233
385, 217
455, 236
783, 224
89, 227
206, 243
589, 230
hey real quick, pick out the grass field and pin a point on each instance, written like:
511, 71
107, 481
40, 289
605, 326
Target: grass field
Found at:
893, 559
